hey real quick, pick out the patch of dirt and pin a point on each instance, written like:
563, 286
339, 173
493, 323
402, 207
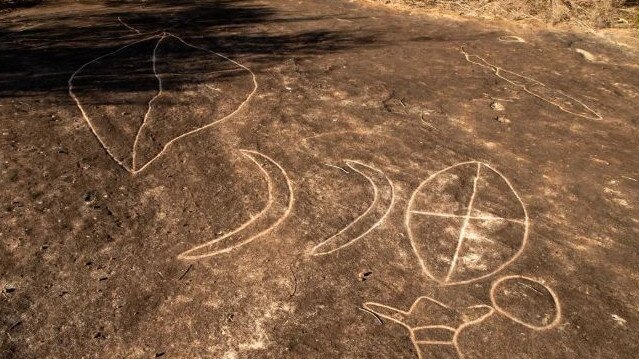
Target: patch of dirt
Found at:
583, 13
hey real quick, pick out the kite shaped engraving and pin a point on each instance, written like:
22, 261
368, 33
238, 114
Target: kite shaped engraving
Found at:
137, 106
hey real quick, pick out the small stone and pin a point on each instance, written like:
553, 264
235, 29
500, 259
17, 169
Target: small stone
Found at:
497, 106
502, 119
586, 55
364, 275
90, 196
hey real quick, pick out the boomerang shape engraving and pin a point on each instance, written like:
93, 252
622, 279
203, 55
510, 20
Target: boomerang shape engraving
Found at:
280, 202
383, 199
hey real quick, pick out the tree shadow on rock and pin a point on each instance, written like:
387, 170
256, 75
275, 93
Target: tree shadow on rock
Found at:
39, 52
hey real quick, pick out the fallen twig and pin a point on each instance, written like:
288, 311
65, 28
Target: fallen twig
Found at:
186, 271
338, 167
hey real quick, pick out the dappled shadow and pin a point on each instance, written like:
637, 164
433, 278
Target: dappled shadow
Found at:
40, 51
8, 5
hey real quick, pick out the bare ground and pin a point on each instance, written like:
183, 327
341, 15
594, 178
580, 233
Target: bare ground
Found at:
355, 183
